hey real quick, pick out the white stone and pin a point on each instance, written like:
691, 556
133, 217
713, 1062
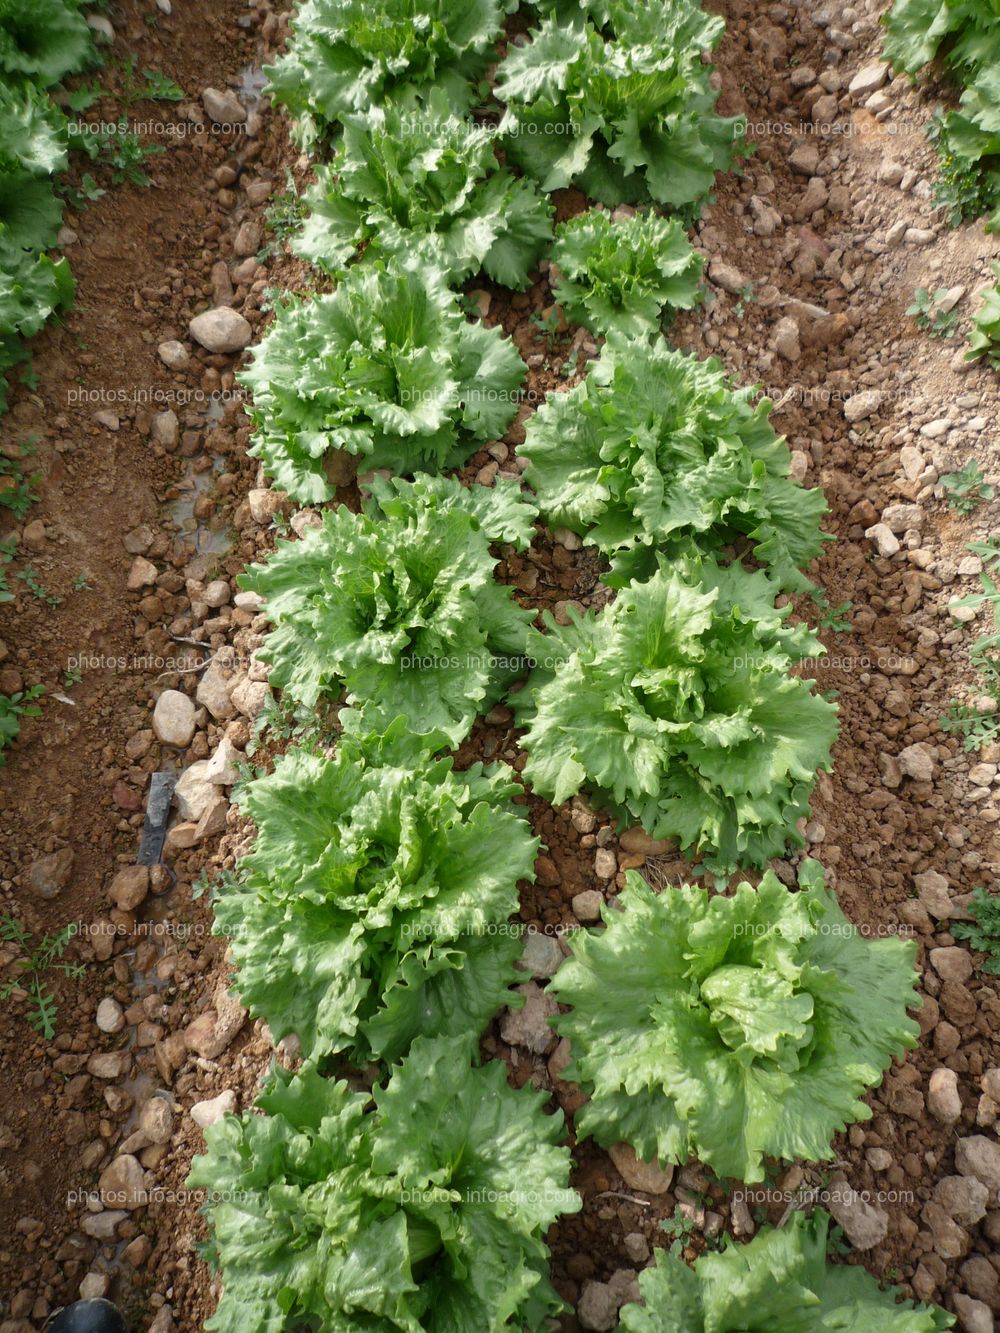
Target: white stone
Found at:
211, 1111
221, 330
174, 718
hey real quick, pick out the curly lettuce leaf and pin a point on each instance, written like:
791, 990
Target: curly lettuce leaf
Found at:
424, 1215
398, 608
386, 367
674, 706
732, 1028
370, 908
656, 445
624, 276
43, 41
357, 57
780, 1282
425, 186
626, 120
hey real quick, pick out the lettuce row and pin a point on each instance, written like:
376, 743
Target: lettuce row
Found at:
626, 120
778, 1281
656, 446
624, 275
984, 338
39, 44
425, 1212
386, 367
732, 1029
964, 34
428, 187
357, 57
675, 706
397, 606
368, 911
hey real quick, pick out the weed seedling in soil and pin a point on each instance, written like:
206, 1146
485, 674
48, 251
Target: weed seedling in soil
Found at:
966, 489
983, 933
928, 315
12, 708
17, 491
46, 955
978, 725
29, 576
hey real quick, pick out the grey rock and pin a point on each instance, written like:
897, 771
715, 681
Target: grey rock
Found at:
223, 107
529, 1026
174, 354
864, 1225
221, 330
963, 1198
980, 1157
213, 693
173, 718
49, 875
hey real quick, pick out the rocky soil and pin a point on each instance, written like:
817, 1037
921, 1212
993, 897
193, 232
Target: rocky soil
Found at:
813, 256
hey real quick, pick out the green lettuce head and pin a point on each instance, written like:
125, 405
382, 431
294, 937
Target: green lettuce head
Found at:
732, 1028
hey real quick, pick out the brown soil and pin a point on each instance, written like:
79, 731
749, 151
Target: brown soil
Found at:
78, 777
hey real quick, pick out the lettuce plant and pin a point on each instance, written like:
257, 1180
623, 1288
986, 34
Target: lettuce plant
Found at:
732, 1028
373, 906
355, 57
624, 276
674, 706
964, 34
425, 185
397, 606
424, 1213
984, 339
656, 445
386, 367
780, 1282
43, 41
625, 120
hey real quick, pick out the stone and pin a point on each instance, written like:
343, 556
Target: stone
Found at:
102, 1225
979, 1156
163, 1320
109, 1064
943, 1099
174, 354
952, 963
917, 762
156, 1120
860, 406
636, 1247
529, 1025
649, 1177
221, 766
129, 887
141, 575
49, 875
211, 1111
110, 1017
95, 1286
950, 1240
991, 1084
123, 1183
728, 277
636, 841
804, 159
963, 1198
786, 339
223, 107
598, 1306
249, 696
174, 719
542, 955
864, 1225
973, 1316
221, 330
194, 793
164, 429
881, 536
216, 594
214, 1030
932, 890
212, 821
869, 79
587, 905
247, 240
901, 517
980, 1280
213, 692
605, 863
